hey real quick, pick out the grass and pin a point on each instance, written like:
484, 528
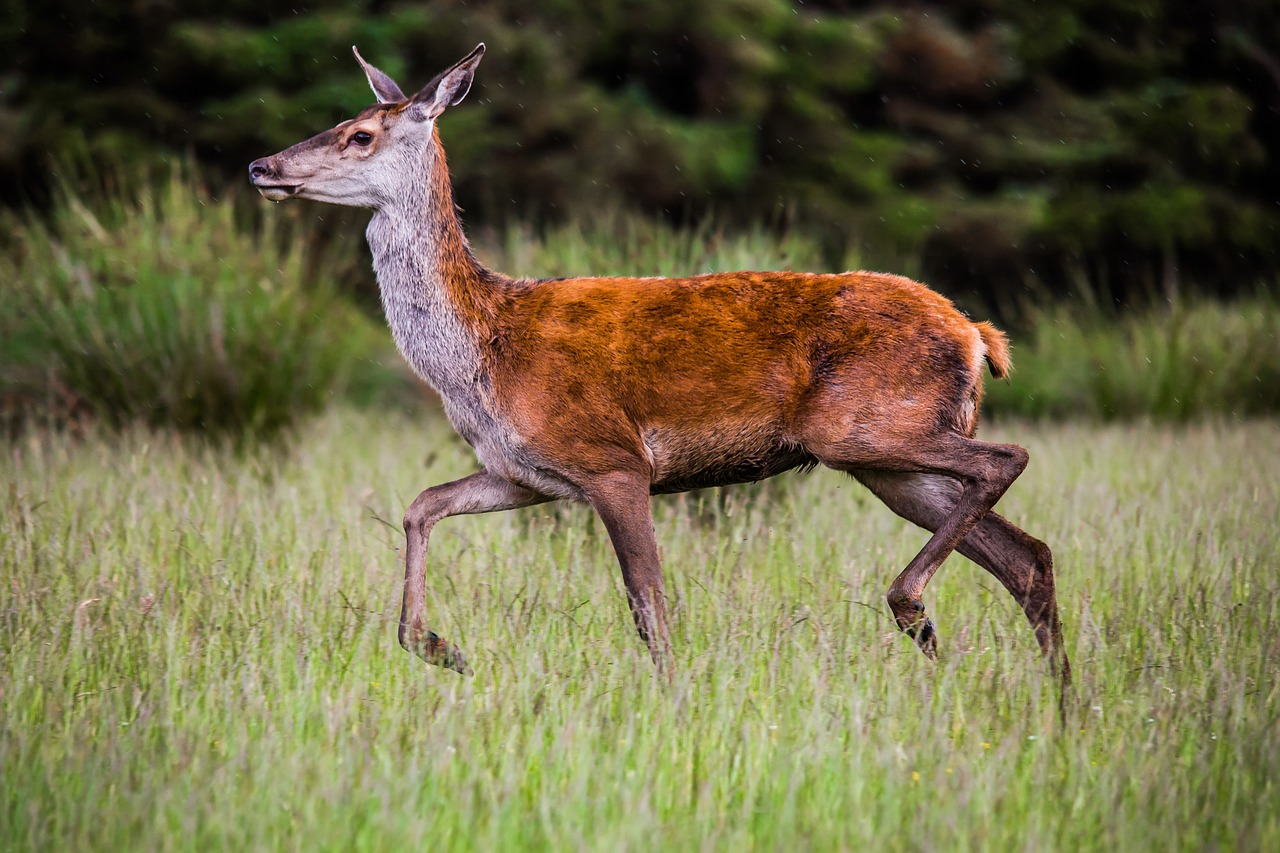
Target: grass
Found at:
197, 649
1176, 362
197, 641
617, 243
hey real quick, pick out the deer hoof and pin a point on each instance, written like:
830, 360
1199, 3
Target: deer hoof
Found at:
909, 614
926, 637
450, 656
438, 651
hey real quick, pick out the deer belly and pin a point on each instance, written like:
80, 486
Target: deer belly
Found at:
683, 461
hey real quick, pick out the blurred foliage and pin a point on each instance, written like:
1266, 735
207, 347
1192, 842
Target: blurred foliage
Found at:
998, 140
159, 305
1174, 362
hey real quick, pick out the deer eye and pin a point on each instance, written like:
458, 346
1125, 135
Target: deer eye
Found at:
362, 137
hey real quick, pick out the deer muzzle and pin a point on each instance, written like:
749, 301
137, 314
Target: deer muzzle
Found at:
265, 177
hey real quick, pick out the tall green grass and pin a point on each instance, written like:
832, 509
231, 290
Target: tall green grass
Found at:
197, 649
1169, 362
152, 301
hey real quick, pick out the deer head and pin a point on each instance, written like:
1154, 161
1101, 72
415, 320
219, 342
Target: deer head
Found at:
373, 159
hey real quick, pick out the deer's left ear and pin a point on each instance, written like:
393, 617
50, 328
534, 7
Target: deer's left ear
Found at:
448, 89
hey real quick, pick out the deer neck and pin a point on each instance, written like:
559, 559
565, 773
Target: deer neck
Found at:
439, 300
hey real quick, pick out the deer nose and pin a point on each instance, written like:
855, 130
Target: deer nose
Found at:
259, 169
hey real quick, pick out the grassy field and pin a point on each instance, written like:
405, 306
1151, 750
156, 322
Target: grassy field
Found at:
197, 649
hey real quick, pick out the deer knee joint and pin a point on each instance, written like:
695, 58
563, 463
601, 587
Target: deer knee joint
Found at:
412, 520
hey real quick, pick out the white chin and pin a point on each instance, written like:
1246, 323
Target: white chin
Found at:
278, 193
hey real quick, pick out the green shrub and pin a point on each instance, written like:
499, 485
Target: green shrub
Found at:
160, 306
165, 306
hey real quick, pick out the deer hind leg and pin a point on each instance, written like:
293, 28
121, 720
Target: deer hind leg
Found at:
622, 502
1022, 563
481, 492
982, 471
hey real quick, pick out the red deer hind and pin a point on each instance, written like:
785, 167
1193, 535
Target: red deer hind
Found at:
609, 390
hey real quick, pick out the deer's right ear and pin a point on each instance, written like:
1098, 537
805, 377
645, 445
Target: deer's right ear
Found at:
382, 85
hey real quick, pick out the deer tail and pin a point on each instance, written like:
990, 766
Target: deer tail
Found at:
997, 346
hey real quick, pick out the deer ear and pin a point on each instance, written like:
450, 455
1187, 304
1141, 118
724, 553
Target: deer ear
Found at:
448, 89
383, 86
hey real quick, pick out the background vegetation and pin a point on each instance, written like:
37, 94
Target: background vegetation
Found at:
1098, 176
995, 140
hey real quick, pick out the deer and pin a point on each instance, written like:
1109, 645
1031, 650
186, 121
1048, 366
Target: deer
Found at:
609, 390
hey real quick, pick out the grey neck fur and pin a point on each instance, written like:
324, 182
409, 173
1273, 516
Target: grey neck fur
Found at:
407, 237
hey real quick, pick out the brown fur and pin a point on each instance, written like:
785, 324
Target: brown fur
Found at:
732, 363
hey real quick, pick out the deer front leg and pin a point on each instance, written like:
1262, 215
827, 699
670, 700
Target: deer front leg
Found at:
478, 493
622, 502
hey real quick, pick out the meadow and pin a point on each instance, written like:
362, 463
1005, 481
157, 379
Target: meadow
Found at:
208, 446
197, 650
